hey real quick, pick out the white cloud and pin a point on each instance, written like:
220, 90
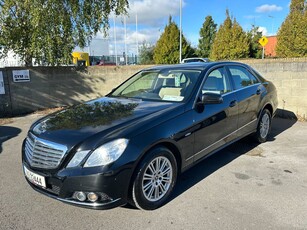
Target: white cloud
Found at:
268, 8
150, 35
264, 30
133, 37
152, 12
152, 17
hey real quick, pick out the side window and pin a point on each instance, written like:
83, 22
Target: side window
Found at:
217, 82
242, 77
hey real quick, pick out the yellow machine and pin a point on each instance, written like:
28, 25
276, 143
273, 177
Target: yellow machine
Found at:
81, 58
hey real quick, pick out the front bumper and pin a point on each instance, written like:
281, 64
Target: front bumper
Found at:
112, 188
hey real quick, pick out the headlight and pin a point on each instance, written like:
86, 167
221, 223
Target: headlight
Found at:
39, 128
107, 153
78, 157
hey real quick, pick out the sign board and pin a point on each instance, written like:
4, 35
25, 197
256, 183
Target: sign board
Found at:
2, 90
21, 75
263, 41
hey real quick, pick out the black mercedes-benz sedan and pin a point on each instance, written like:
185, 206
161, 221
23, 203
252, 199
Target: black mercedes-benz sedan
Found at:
130, 146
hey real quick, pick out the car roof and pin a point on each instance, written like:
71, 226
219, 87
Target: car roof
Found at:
192, 66
196, 59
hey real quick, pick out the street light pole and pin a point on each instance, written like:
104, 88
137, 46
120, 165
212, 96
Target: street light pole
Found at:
115, 43
137, 38
180, 40
125, 41
270, 16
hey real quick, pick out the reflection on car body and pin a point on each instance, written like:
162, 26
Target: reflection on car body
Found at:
131, 145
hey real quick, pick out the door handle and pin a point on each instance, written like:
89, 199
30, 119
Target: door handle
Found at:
233, 103
258, 91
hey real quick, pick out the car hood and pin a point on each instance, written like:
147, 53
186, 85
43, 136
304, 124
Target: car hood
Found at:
103, 115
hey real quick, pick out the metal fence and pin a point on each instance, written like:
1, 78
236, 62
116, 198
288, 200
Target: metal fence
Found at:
113, 60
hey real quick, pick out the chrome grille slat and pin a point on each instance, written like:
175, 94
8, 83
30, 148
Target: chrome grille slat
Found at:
30, 142
48, 150
28, 149
44, 158
45, 154
42, 153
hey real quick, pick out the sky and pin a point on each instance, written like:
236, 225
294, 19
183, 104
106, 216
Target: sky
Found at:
153, 15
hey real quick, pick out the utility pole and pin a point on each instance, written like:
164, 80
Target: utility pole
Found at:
137, 38
125, 40
180, 40
270, 16
115, 42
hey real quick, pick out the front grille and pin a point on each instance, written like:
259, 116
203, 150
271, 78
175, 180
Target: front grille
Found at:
43, 154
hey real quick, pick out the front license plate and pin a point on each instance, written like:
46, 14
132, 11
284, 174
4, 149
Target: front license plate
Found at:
34, 178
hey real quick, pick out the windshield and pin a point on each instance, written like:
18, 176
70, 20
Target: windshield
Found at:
170, 85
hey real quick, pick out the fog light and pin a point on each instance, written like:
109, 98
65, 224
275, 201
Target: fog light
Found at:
80, 196
92, 196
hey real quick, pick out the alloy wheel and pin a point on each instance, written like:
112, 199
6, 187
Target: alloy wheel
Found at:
264, 125
157, 178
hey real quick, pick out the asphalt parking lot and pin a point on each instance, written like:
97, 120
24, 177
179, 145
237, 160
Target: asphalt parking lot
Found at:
244, 186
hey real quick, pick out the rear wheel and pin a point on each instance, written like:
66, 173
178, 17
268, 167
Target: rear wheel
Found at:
155, 179
264, 126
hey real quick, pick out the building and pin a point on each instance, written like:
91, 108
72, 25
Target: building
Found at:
11, 59
270, 48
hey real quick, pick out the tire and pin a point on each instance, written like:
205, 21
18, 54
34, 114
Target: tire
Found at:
264, 126
155, 179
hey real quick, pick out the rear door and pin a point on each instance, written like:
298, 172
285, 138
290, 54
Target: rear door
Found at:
248, 91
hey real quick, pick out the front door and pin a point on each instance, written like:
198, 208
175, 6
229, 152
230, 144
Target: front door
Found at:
217, 123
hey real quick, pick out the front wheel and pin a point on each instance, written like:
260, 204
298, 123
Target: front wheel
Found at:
264, 126
155, 179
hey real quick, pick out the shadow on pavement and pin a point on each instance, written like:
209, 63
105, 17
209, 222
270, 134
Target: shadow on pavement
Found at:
279, 125
213, 163
6, 133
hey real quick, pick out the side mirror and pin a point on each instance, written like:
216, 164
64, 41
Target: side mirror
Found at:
211, 98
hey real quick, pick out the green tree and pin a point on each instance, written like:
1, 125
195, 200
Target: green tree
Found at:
292, 35
254, 35
230, 42
49, 30
146, 54
167, 47
207, 35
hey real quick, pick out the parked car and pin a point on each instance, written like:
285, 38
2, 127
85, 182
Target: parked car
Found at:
105, 63
195, 59
131, 145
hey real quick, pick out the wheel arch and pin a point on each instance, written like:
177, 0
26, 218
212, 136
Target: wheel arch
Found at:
267, 106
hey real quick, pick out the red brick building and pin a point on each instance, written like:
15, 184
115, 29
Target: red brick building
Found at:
270, 48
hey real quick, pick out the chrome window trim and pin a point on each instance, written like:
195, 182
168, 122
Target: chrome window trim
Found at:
246, 87
226, 66
203, 81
